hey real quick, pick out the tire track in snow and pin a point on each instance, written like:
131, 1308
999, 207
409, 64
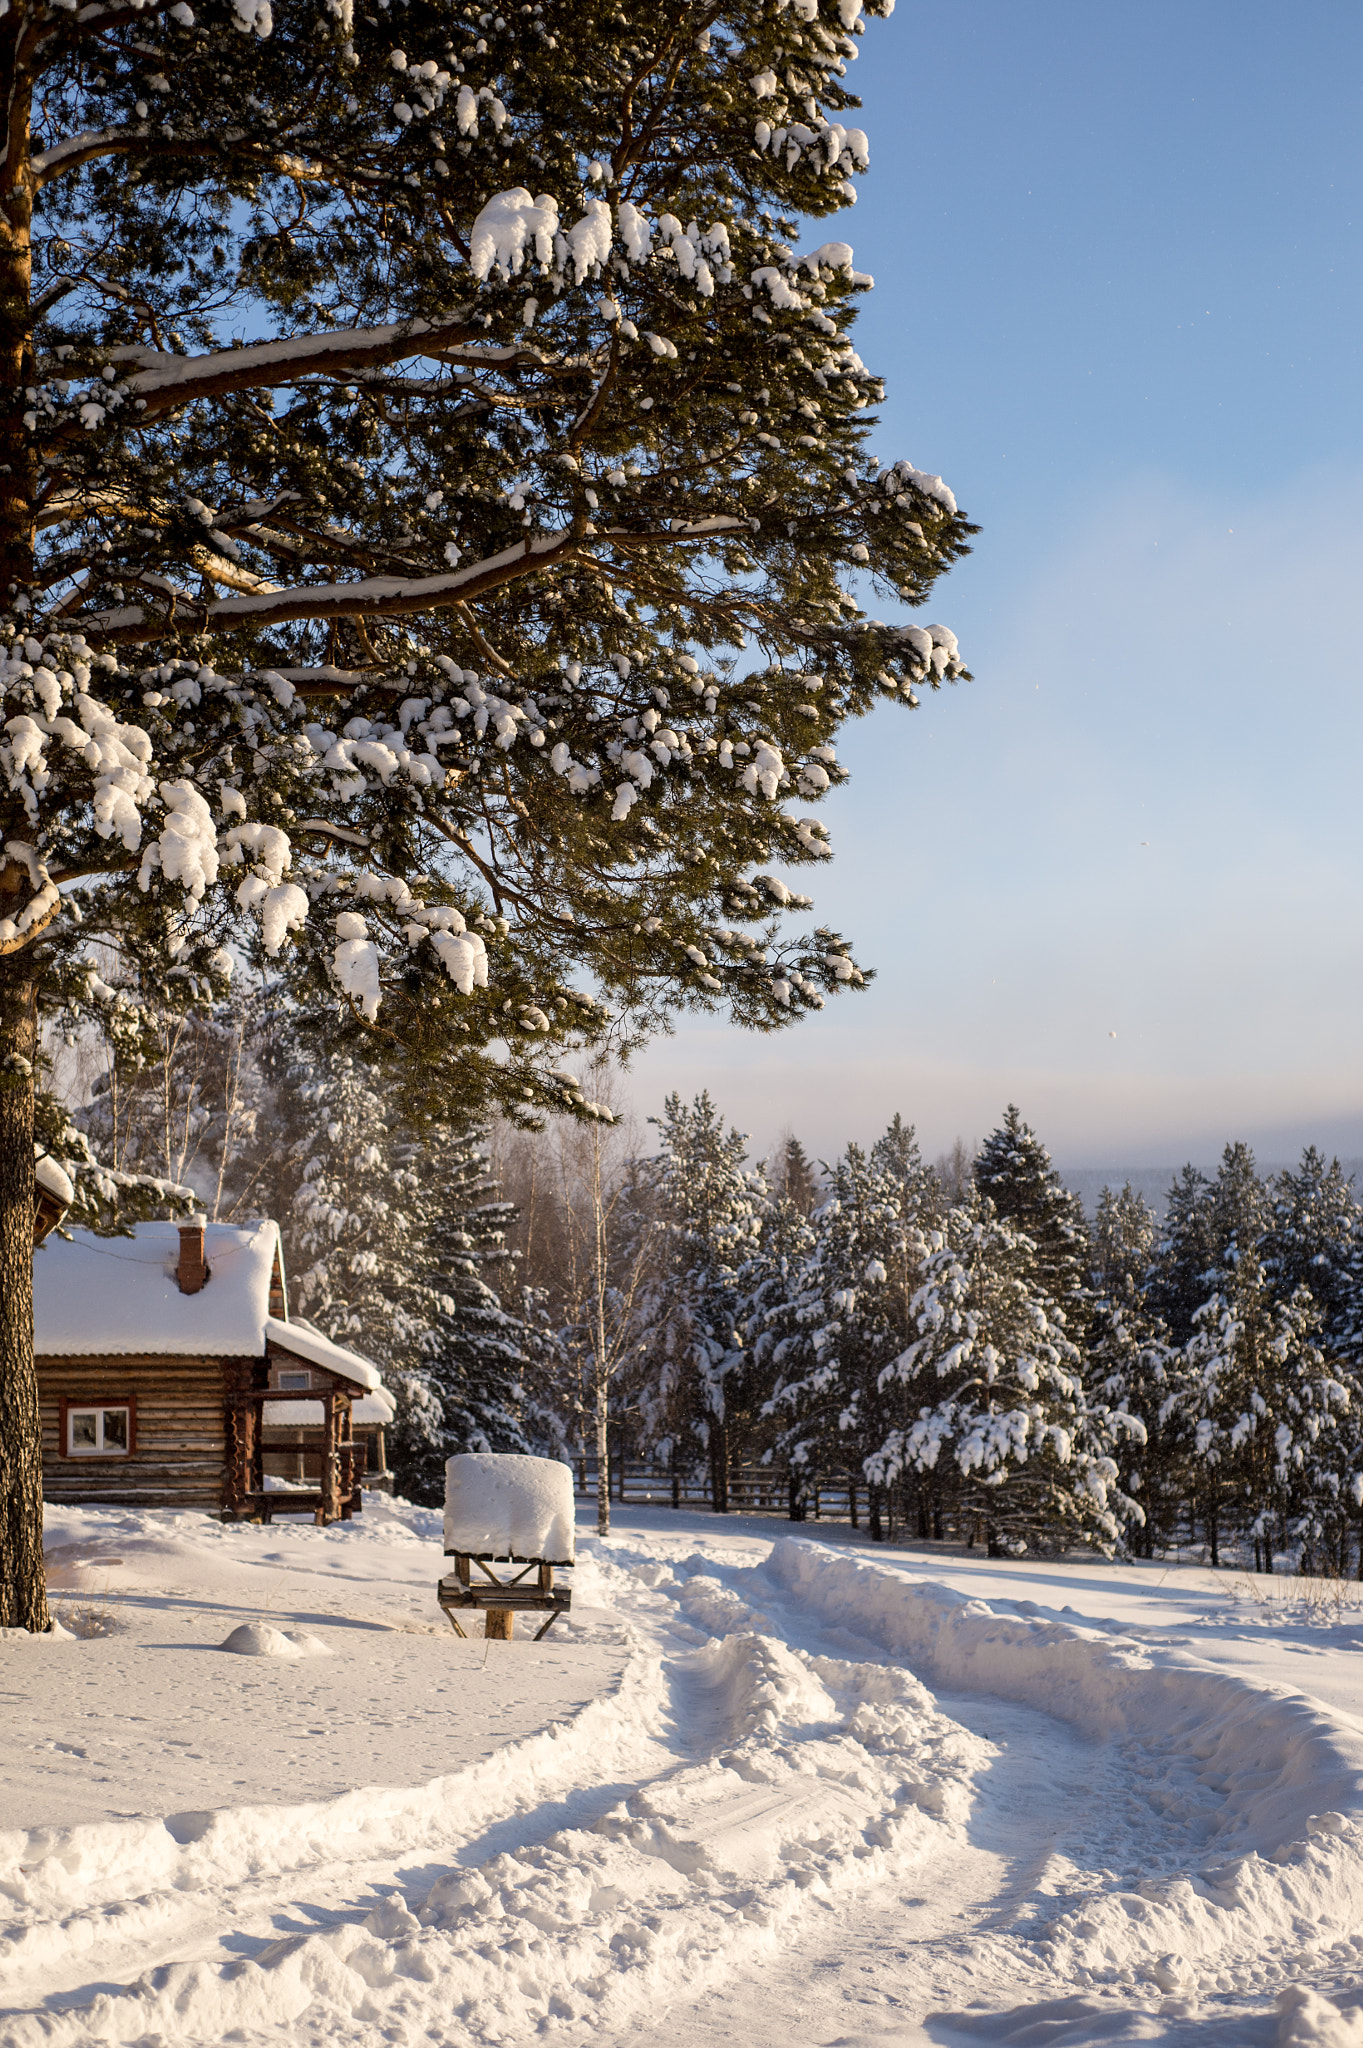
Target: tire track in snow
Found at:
1194, 1882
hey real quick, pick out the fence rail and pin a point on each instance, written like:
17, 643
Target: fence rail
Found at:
752, 1489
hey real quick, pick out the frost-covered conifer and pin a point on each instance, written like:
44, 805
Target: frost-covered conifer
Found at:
1013, 1168
848, 1314
691, 1318
397, 1247
1185, 1255
996, 1397
793, 1176
1265, 1411
406, 417
467, 1392
1314, 1239
353, 1233
774, 1294
1131, 1368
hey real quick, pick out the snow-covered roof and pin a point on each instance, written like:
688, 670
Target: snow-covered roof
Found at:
101, 1297
304, 1342
376, 1406
94, 1296
53, 1179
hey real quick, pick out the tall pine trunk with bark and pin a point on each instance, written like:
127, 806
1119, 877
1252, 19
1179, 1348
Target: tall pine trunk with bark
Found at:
23, 1587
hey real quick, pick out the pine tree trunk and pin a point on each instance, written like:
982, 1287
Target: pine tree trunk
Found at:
23, 1586
23, 1591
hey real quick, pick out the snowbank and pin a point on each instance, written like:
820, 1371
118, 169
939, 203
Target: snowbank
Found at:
503, 1506
260, 1639
1275, 1757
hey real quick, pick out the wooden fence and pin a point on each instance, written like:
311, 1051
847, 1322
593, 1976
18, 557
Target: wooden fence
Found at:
753, 1490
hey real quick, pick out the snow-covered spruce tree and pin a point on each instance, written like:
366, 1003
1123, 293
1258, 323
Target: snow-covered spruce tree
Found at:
1263, 1407
997, 1397
704, 1392
355, 1230
467, 1392
1314, 1239
1132, 1368
774, 1297
849, 1315
793, 1176
396, 1245
1182, 1270
1013, 1168
407, 418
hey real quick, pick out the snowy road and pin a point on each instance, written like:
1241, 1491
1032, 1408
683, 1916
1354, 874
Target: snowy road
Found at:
767, 1831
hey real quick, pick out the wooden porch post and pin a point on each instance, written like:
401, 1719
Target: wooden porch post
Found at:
331, 1460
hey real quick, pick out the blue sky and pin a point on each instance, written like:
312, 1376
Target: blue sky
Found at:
1118, 306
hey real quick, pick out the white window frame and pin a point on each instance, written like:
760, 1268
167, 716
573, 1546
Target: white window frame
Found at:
294, 1379
99, 1449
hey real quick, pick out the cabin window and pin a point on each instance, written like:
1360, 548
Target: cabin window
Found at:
99, 1429
293, 1382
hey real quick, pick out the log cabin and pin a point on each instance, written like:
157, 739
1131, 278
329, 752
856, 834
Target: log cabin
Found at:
167, 1361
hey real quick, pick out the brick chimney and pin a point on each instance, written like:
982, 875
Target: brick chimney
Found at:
192, 1271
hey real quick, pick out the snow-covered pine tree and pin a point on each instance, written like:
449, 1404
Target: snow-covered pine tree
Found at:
1013, 1168
996, 1397
773, 1297
793, 1177
467, 1393
849, 1314
1132, 1368
374, 534
1314, 1239
704, 1389
1264, 1409
1181, 1274
354, 1232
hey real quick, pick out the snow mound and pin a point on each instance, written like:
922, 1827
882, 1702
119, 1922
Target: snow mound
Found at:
1308, 2020
260, 1639
504, 1506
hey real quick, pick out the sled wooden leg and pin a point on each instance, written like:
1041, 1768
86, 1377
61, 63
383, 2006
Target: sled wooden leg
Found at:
454, 1624
547, 1625
497, 1627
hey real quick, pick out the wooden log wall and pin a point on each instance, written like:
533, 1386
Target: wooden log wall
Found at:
180, 1459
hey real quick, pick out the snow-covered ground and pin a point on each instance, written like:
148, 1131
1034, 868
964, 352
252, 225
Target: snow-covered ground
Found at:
767, 1786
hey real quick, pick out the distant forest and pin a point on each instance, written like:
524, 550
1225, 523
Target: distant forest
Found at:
985, 1356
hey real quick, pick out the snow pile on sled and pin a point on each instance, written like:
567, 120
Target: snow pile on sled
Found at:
505, 1506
